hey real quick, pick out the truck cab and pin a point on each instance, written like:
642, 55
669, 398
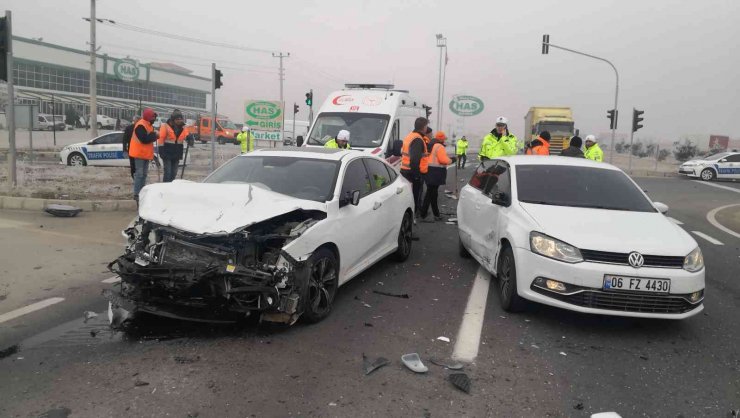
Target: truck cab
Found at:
226, 131
556, 120
376, 115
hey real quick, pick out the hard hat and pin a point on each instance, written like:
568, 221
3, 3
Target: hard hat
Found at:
245, 128
343, 135
502, 119
591, 138
440, 135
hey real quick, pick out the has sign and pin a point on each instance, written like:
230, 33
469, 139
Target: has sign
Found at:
263, 115
466, 105
126, 70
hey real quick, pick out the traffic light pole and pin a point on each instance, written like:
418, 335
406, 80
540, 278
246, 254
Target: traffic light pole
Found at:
10, 109
616, 90
632, 135
213, 120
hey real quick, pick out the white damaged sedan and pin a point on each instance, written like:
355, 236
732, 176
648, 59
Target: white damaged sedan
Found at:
578, 235
273, 232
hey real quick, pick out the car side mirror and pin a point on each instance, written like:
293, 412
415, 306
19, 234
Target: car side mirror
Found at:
662, 207
299, 141
500, 199
350, 198
724, 160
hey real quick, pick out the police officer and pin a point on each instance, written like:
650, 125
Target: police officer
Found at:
499, 142
593, 150
246, 140
461, 150
341, 141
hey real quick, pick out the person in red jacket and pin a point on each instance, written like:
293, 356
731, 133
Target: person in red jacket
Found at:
436, 175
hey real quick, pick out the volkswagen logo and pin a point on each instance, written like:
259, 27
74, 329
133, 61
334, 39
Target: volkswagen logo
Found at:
636, 260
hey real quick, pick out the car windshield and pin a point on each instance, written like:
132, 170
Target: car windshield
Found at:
556, 128
302, 178
717, 157
583, 187
366, 130
226, 124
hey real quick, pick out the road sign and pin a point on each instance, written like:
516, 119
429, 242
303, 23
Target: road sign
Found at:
464, 106
126, 70
264, 115
268, 136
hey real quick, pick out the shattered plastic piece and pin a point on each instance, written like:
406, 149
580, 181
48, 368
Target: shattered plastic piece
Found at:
414, 363
535, 346
89, 315
445, 339
94, 333
395, 295
117, 315
578, 406
460, 381
367, 324
365, 304
371, 366
140, 383
451, 366
606, 415
64, 211
562, 353
452, 219
332, 404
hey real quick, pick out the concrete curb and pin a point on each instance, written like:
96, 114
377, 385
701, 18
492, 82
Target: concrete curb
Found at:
34, 204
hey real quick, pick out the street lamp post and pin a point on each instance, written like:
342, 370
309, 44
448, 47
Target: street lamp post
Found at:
545, 50
442, 45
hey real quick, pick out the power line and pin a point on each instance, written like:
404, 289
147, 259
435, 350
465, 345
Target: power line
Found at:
127, 48
125, 26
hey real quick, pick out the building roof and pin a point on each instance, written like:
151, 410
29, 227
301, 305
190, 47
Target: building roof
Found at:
170, 67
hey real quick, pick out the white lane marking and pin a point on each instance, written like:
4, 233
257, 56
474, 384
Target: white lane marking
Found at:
707, 237
674, 220
711, 219
719, 186
28, 309
468, 338
114, 279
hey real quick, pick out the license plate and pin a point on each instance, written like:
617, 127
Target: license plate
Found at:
637, 284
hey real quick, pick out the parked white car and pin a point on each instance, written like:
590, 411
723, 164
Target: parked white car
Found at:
272, 233
725, 165
49, 122
103, 122
105, 150
578, 235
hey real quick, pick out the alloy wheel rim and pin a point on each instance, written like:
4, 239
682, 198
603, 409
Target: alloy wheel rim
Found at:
322, 285
405, 240
505, 277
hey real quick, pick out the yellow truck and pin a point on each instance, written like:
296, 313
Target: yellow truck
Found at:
556, 120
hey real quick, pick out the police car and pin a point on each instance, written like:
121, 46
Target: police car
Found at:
105, 150
725, 165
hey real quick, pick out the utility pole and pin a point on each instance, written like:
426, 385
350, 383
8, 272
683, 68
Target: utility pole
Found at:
10, 109
441, 44
93, 120
213, 120
546, 49
281, 76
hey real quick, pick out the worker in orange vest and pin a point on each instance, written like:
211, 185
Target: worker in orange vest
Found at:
415, 159
141, 149
172, 136
436, 176
541, 145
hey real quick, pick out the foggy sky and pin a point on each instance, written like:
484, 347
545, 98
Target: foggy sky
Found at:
679, 61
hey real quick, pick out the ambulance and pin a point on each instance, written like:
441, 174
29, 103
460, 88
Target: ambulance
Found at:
376, 115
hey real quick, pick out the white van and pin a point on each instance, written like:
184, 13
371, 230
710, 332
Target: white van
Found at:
375, 115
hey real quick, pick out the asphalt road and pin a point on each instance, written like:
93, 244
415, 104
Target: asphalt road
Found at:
543, 362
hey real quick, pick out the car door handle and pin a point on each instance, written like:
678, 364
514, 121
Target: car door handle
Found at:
377, 205
399, 190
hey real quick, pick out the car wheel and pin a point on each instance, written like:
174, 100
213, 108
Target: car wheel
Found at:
323, 282
464, 253
707, 174
404, 239
506, 275
76, 159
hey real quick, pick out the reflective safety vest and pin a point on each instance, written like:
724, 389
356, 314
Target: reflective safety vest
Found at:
332, 143
246, 141
167, 135
594, 153
542, 149
138, 149
406, 157
438, 156
493, 147
461, 147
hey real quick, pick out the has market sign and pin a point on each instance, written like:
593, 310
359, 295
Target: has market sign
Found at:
263, 115
126, 70
466, 105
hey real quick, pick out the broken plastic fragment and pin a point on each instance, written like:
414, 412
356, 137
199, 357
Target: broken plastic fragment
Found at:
371, 366
562, 353
414, 363
64, 211
460, 381
451, 366
88, 315
395, 295
445, 339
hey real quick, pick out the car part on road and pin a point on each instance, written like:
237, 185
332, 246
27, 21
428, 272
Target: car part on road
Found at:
370, 366
395, 295
452, 366
445, 339
460, 381
414, 363
62, 211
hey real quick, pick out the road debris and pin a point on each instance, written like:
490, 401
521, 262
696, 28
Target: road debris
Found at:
578, 406
186, 360
63, 211
451, 366
460, 381
88, 315
414, 363
395, 295
562, 353
365, 304
138, 382
369, 366
94, 333
367, 324
62, 412
7, 352
442, 338
332, 404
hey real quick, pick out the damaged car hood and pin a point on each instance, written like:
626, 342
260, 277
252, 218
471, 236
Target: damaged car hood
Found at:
209, 208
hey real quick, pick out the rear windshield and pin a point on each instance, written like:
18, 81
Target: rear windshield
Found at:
302, 178
583, 187
366, 130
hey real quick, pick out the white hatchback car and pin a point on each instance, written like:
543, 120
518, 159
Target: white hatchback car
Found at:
105, 150
578, 235
272, 233
725, 165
